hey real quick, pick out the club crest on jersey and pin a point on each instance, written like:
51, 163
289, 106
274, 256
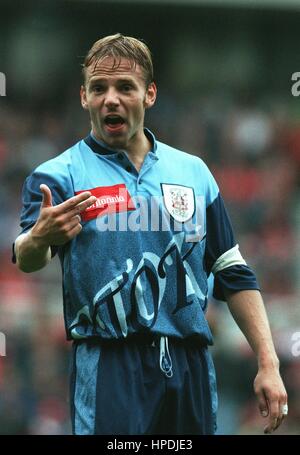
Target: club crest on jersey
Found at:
179, 201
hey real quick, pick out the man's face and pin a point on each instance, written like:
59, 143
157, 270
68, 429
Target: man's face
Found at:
116, 99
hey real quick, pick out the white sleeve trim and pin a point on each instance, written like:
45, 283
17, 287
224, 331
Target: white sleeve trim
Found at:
228, 259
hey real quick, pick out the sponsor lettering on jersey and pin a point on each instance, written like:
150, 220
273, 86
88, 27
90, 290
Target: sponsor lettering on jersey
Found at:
110, 199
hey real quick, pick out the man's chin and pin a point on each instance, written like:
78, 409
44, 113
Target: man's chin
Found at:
112, 139
115, 141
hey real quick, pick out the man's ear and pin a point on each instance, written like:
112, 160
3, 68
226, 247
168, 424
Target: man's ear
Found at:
84, 103
150, 96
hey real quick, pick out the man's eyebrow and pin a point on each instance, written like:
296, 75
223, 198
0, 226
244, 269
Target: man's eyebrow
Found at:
126, 80
99, 80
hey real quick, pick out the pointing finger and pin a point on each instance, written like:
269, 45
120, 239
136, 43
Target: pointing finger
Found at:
83, 205
74, 201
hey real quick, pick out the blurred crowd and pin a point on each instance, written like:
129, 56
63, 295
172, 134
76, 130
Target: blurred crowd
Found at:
253, 151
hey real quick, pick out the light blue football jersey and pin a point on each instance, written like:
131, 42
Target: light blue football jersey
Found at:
141, 262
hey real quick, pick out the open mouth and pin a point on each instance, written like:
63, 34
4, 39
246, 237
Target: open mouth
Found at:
114, 122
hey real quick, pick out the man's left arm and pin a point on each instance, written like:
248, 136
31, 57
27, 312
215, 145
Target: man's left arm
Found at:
248, 310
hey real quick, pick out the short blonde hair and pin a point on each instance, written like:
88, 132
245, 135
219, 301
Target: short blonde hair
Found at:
119, 46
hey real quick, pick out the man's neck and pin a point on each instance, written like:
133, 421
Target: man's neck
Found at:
136, 150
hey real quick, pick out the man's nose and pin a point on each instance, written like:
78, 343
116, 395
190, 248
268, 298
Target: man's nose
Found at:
112, 98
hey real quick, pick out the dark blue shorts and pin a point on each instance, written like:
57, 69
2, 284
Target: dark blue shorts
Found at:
140, 386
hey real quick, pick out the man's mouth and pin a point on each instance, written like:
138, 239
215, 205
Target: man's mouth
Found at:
114, 122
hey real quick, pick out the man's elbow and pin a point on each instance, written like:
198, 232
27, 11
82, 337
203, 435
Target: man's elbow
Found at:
28, 268
28, 257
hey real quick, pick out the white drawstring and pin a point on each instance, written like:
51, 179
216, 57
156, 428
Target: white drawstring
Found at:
165, 361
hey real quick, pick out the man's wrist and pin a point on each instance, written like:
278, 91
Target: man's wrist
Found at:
268, 361
38, 242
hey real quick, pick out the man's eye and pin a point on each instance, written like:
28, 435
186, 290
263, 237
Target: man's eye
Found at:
126, 87
97, 88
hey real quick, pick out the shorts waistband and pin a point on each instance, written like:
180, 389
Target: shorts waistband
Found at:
147, 339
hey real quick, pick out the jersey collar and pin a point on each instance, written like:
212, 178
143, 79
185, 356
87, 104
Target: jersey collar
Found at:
102, 149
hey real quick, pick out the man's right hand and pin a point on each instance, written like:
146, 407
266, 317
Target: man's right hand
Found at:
55, 225
59, 224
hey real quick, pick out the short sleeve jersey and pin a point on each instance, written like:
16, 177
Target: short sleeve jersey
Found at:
140, 264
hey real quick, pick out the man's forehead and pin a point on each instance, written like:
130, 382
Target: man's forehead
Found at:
109, 66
